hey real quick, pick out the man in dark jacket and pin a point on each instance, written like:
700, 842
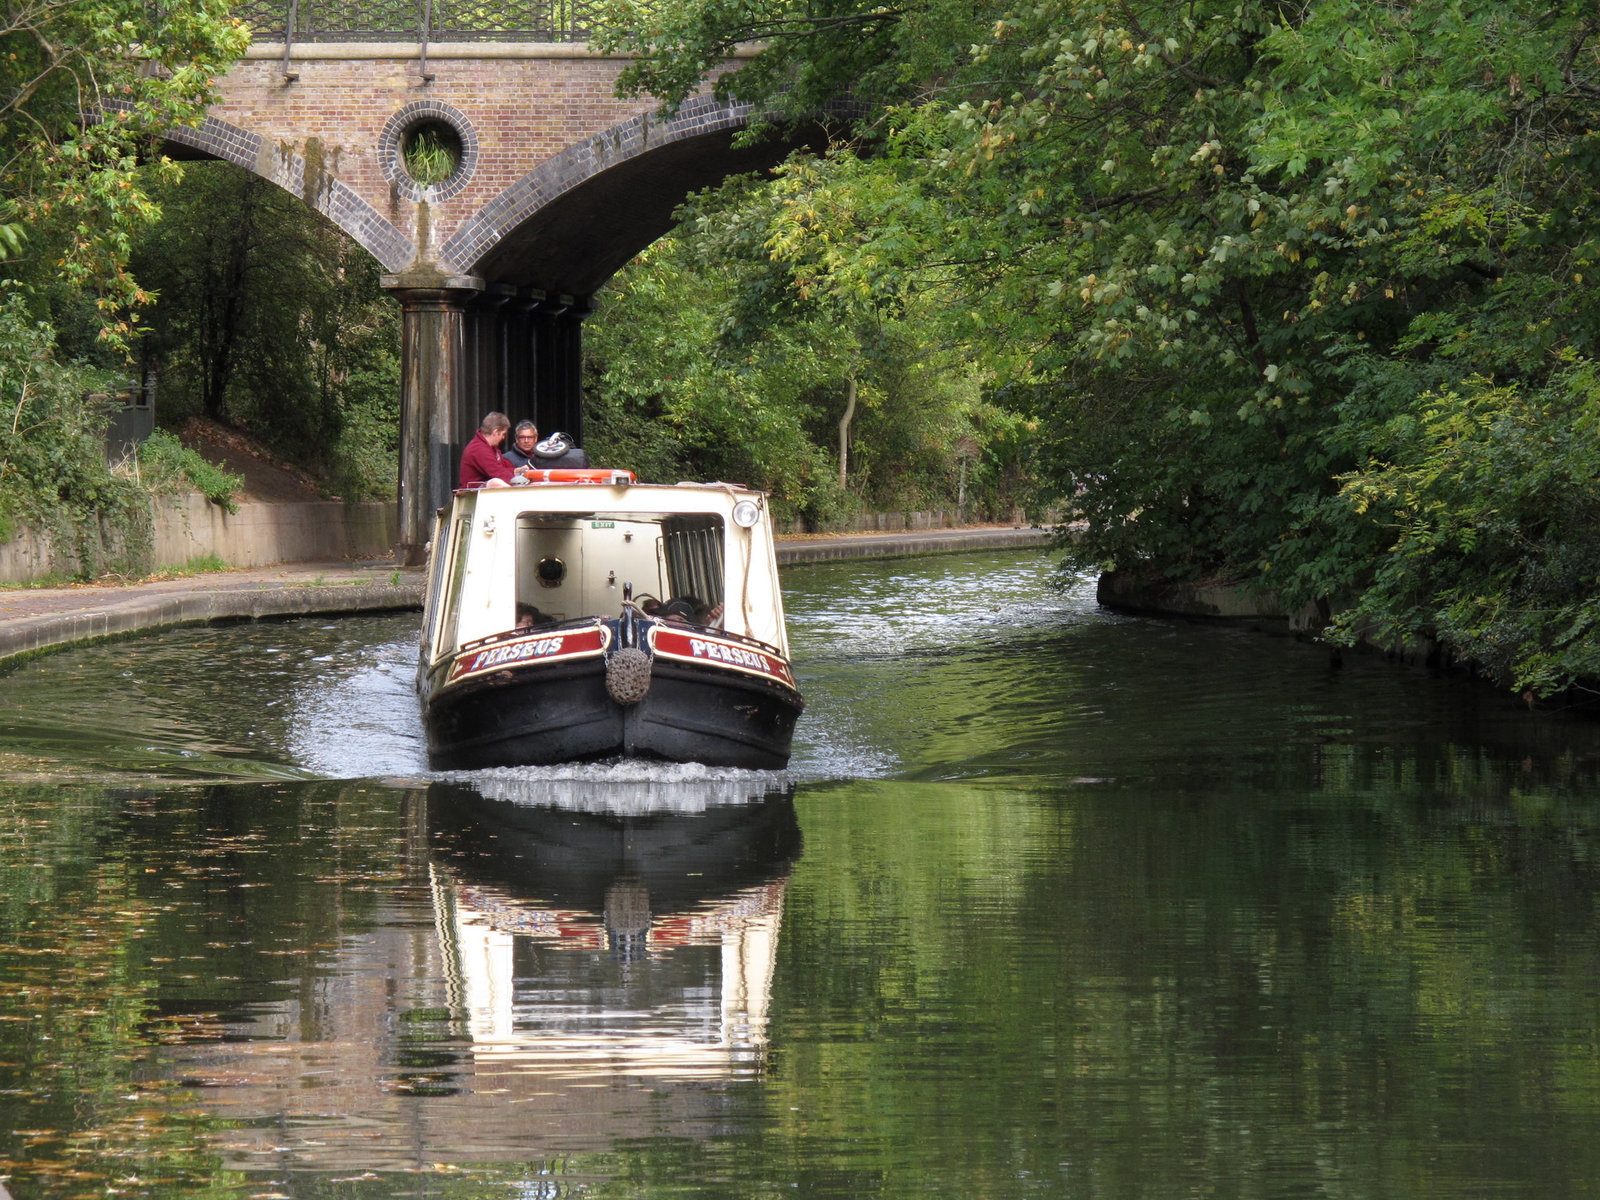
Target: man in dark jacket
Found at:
520, 453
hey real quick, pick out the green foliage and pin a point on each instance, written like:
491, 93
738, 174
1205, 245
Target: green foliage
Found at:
54, 479
432, 154
204, 564
753, 381
271, 320
1491, 497
812, 54
168, 466
84, 88
670, 410
1217, 256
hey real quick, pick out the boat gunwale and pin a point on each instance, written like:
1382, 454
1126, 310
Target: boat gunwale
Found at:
666, 667
575, 624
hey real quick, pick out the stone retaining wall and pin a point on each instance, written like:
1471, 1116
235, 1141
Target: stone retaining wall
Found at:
889, 522
258, 535
1225, 600
261, 534
1239, 603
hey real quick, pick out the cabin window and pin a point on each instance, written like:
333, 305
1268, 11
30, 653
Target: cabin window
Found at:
576, 565
434, 611
457, 568
692, 547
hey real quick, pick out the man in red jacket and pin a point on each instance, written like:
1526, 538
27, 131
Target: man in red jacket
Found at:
481, 464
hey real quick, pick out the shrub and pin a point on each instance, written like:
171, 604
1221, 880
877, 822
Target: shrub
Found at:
167, 466
54, 478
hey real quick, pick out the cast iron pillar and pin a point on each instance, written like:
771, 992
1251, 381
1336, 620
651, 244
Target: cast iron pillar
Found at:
558, 364
433, 377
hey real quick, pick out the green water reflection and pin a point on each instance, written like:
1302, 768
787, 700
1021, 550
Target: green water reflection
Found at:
1226, 922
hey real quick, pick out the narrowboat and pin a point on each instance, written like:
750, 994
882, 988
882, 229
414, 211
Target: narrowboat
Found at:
588, 616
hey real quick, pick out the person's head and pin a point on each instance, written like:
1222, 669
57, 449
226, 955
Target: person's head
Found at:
493, 427
526, 437
525, 617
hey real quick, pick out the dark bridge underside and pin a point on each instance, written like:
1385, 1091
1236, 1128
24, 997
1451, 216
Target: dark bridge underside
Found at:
587, 234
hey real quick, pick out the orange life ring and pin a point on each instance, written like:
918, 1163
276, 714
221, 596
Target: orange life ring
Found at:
572, 475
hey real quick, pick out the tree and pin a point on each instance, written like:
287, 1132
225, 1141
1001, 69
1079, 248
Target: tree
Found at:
832, 399
85, 89
270, 319
811, 54
1216, 251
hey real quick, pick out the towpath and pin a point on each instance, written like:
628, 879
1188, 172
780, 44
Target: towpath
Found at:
39, 619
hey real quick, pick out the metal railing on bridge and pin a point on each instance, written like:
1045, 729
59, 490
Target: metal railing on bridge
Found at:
420, 20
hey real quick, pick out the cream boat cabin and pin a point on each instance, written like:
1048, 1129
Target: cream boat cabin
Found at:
578, 620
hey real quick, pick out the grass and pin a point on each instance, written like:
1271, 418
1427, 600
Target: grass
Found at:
54, 579
429, 156
200, 564
163, 461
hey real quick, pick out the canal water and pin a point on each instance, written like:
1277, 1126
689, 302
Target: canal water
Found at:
1052, 903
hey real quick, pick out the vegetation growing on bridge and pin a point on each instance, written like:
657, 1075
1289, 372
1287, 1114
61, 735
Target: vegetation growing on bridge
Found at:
1301, 293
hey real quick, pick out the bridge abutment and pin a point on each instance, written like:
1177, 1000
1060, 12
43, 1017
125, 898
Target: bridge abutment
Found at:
558, 361
433, 375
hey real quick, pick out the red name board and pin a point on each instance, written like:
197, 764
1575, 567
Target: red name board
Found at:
691, 647
536, 647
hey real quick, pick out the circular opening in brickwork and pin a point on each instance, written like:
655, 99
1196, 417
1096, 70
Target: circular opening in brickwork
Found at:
431, 152
428, 151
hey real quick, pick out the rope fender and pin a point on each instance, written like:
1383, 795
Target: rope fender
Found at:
628, 675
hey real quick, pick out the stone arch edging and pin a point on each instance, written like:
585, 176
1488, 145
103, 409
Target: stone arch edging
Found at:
316, 187
578, 164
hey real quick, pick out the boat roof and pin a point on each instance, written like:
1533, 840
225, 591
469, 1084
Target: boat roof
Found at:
621, 496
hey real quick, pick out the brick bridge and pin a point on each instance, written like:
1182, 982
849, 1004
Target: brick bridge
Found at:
557, 184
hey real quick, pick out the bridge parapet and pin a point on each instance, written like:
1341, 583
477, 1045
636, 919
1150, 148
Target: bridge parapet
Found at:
420, 20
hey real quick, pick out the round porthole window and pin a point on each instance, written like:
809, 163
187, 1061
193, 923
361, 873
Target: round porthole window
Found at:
428, 151
551, 572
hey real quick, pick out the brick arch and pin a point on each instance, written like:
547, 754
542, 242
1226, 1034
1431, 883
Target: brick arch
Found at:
316, 184
571, 223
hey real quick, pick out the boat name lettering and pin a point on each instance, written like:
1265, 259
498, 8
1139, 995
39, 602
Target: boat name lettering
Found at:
517, 652
732, 654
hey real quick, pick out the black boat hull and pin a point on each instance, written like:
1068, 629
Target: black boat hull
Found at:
538, 714
572, 859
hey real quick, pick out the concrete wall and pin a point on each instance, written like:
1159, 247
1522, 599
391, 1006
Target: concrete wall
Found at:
258, 535
888, 522
1225, 600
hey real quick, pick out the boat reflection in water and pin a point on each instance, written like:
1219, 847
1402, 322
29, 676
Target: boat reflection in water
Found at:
590, 930
565, 965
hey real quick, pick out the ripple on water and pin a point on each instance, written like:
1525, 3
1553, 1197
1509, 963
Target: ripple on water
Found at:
962, 666
626, 787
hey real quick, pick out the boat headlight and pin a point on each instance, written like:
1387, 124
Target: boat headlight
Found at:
746, 513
